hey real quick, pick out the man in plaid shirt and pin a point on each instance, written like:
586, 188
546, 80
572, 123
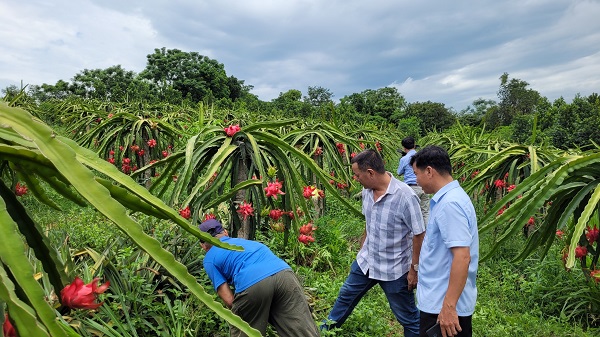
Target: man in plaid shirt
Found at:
390, 246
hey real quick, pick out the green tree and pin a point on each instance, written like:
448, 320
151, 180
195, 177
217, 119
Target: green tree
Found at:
10, 91
545, 119
108, 84
251, 102
319, 99
16, 96
383, 104
515, 99
290, 104
357, 101
410, 126
45, 92
387, 103
576, 124
347, 109
433, 116
318, 96
194, 76
474, 114
237, 88
113, 84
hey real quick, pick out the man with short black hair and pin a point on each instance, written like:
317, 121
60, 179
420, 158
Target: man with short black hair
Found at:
266, 288
404, 168
390, 245
447, 290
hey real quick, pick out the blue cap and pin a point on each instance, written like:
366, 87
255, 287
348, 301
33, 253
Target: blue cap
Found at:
211, 226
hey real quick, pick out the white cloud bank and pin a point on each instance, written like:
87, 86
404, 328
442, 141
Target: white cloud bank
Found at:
451, 52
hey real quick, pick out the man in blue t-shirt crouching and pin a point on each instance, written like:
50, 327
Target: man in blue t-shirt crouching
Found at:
266, 288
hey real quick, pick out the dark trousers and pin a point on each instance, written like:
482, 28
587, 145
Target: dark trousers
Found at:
279, 299
401, 300
429, 320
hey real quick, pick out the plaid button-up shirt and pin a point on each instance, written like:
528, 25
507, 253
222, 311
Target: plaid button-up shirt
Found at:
392, 220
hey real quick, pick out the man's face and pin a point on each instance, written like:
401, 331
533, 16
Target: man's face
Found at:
423, 178
363, 177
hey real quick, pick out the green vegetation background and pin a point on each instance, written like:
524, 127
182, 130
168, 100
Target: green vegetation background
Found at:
530, 298
515, 299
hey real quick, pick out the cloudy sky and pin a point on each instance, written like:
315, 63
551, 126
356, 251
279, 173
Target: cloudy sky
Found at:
451, 52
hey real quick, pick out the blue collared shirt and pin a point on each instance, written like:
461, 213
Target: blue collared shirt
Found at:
405, 169
392, 220
452, 223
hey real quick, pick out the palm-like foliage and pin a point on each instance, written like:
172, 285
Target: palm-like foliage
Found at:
43, 159
19, 98
480, 159
509, 164
126, 127
466, 144
535, 186
321, 141
217, 168
369, 135
567, 192
331, 149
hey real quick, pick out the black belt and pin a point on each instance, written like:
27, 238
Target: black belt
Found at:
412, 184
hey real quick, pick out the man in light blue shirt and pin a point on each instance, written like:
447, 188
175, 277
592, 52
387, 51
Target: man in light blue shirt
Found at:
446, 290
404, 168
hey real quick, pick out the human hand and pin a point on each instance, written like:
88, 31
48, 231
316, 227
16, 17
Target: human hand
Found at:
448, 319
412, 279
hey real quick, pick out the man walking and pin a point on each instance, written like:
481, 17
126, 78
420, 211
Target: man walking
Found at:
404, 168
266, 289
389, 253
446, 290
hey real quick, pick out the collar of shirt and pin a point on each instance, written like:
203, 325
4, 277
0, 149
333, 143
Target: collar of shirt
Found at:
439, 194
392, 188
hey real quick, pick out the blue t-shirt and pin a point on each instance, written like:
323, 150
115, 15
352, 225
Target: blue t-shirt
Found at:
241, 269
452, 223
405, 169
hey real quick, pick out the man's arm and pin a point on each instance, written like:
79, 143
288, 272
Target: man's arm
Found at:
225, 294
412, 273
459, 271
400, 170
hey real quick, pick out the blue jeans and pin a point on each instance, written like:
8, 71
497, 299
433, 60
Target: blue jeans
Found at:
401, 300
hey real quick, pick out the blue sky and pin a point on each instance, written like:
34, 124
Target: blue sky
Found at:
451, 52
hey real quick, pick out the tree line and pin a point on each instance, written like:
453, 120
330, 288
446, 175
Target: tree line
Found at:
521, 114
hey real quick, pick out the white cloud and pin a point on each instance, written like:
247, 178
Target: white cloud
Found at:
581, 76
46, 43
451, 52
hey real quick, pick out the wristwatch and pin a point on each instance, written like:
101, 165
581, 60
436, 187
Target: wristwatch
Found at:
416, 267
